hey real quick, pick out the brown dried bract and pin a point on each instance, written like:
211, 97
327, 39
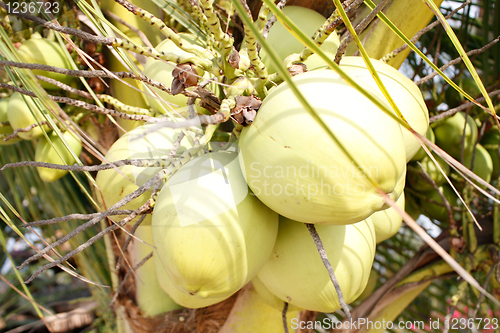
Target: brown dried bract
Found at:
234, 59
184, 76
246, 109
297, 69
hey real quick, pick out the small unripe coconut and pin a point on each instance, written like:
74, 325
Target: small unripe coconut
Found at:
483, 163
449, 134
56, 153
296, 274
140, 143
416, 179
46, 52
296, 169
6, 129
402, 90
438, 210
412, 207
490, 142
211, 233
387, 222
22, 112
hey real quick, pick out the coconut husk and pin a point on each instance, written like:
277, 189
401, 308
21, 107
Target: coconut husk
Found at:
204, 320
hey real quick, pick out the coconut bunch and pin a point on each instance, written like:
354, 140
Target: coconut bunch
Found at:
231, 182
238, 211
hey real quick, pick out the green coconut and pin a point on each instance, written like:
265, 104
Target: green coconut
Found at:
449, 134
296, 274
22, 112
483, 163
490, 142
212, 235
416, 180
438, 210
140, 143
285, 169
412, 207
5, 128
56, 153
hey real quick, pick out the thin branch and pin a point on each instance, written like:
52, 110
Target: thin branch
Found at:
92, 240
72, 217
23, 130
441, 195
203, 94
84, 105
358, 29
127, 242
150, 183
326, 262
141, 163
273, 19
65, 87
120, 287
164, 122
457, 60
464, 106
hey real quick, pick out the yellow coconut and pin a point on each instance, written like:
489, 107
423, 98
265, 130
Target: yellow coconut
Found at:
211, 233
150, 297
299, 171
285, 43
140, 143
403, 91
295, 271
56, 153
387, 222
22, 112
5, 128
269, 298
